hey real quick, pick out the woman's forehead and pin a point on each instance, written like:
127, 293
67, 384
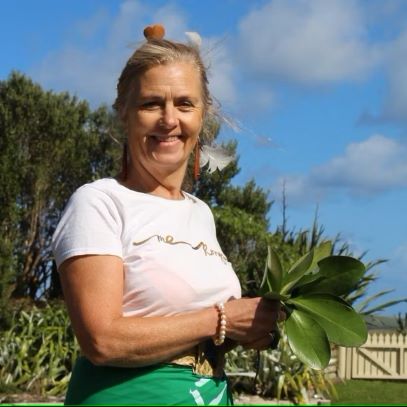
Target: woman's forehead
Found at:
178, 77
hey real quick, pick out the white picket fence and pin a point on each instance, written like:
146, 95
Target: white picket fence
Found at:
383, 356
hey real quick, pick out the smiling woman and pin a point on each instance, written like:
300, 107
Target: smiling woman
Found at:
153, 301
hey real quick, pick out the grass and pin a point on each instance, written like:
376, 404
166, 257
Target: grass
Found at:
351, 392
371, 392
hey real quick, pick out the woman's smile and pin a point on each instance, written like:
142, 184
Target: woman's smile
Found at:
166, 140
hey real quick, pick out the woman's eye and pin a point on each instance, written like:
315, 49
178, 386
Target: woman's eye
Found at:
185, 104
150, 105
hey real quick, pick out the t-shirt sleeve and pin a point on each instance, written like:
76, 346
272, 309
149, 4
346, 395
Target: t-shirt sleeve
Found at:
90, 224
209, 219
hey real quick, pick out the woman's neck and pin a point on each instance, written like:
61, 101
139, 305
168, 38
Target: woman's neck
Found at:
164, 185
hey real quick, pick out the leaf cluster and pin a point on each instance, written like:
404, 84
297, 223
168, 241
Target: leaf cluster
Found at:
310, 291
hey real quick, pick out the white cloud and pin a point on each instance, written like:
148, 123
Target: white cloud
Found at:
87, 75
373, 165
92, 73
174, 21
310, 42
366, 168
302, 41
127, 25
394, 104
221, 70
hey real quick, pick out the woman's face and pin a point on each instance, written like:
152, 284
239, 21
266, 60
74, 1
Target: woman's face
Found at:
165, 117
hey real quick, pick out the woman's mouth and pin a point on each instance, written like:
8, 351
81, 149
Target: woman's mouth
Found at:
166, 140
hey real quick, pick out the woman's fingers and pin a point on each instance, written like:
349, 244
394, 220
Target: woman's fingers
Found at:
249, 319
269, 341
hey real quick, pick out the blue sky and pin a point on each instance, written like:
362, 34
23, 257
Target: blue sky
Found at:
318, 87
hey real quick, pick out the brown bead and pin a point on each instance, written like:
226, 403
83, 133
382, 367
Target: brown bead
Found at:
154, 31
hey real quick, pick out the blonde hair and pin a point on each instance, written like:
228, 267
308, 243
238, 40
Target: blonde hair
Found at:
152, 53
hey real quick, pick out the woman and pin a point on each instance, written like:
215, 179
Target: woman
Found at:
153, 301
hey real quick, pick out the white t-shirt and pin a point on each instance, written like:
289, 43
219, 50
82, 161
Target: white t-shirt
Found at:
172, 260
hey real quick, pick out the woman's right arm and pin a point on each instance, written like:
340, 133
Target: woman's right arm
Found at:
93, 291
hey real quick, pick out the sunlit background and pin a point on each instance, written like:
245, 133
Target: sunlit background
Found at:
318, 89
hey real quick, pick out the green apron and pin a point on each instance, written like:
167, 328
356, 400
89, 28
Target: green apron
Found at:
163, 384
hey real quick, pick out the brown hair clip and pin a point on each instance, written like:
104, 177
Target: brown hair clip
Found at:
154, 32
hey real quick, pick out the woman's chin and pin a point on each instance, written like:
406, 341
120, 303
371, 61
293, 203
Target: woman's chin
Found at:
172, 162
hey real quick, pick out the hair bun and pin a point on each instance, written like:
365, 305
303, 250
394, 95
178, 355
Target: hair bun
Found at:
154, 32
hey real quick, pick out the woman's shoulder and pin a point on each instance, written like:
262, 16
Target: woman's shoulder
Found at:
197, 201
99, 190
105, 186
92, 202
102, 184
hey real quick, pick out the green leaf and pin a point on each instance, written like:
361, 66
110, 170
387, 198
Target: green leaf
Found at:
307, 339
273, 272
280, 384
339, 275
341, 323
297, 271
275, 269
305, 281
265, 286
321, 252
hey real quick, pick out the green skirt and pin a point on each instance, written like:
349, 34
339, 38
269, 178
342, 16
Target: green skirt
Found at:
163, 384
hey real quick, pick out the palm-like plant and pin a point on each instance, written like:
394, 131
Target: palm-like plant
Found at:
365, 304
310, 292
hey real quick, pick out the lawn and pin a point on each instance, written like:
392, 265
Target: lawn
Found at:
356, 392
371, 392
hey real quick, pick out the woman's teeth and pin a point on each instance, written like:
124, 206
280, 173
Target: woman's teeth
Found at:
166, 138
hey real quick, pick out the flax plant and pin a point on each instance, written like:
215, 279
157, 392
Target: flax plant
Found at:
38, 351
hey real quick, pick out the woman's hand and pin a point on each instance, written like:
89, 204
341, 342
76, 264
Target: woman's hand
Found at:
251, 321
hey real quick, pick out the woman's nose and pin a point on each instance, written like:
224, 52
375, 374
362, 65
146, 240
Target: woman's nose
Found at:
169, 116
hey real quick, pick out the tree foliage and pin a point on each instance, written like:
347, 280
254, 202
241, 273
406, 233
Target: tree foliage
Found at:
241, 213
50, 143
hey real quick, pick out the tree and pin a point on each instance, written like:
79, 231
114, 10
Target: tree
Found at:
49, 145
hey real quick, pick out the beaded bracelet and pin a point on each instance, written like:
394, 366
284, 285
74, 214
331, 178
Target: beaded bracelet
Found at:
222, 324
